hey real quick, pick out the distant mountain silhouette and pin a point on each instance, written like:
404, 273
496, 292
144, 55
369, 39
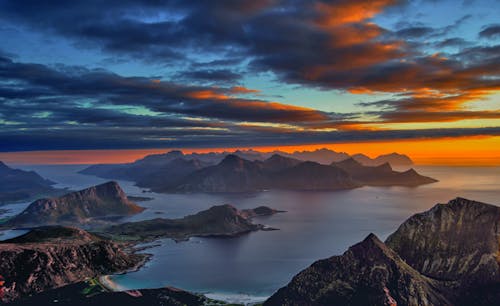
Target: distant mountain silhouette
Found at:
16, 184
394, 159
246, 171
382, 175
80, 207
235, 174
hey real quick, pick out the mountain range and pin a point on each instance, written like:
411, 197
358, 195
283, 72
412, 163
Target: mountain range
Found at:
171, 172
447, 255
17, 185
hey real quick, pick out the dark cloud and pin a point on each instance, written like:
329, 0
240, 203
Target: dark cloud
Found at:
73, 139
491, 32
415, 32
211, 75
331, 45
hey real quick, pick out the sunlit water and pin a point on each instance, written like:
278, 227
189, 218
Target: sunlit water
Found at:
316, 225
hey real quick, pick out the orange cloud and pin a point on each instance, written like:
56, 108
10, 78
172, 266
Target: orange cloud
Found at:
207, 94
346, 11
243, 90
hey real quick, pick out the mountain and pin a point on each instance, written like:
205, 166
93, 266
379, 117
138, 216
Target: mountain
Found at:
16, 184
369, 273
457, 241
382, 175
135, 171
394, 159
217, 221
84, 206
167, 176
447, 255
50, 257
232, 174
278, 162
321, 156
313, 176
235, 174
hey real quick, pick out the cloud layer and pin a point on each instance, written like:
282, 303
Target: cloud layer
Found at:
324, 45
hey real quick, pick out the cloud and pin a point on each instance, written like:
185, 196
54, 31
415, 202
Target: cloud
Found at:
490, 32
213, 45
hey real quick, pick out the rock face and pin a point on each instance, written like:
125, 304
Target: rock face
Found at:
217, 221
81, 207
458, 241
445, 256
382, 175
369, 273
16, 185
51, 257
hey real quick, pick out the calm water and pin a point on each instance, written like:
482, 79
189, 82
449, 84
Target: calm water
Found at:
316, 225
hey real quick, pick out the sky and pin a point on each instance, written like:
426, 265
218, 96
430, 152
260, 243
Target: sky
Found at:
153, 74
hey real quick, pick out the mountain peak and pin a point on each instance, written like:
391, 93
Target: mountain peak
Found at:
231, 159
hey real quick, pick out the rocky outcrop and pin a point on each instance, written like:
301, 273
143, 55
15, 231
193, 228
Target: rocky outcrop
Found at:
369, 273
80, 207
217, 221
458, 241
51, 257
16, 184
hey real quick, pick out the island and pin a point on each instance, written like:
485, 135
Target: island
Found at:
86, 206
217, 221
253, 171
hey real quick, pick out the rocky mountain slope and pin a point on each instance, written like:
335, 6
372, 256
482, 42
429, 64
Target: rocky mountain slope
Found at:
78, 207
445, 256
50, 257
217, 221
369, 273
16, 184
457, 241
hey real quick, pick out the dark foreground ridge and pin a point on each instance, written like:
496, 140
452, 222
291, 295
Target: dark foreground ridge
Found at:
80, 207
445, 256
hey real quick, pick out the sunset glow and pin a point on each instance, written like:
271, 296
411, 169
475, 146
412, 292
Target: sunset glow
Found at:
459, 151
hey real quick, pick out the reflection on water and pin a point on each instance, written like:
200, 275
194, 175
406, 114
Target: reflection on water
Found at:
316, 225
